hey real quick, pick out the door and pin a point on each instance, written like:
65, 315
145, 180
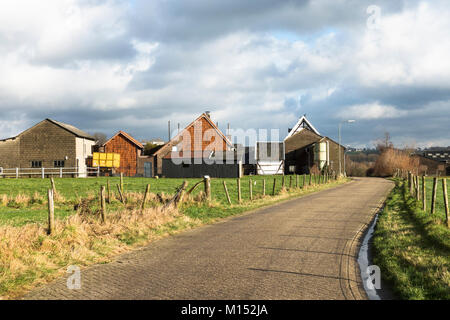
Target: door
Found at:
147, 169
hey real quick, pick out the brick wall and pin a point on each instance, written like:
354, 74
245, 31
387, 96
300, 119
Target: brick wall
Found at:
202, 125
9, 153
46, 142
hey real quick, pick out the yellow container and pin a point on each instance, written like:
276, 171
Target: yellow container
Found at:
106, 160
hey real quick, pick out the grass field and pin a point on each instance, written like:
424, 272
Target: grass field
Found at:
24, 201
440, 211
29, 257
412, 247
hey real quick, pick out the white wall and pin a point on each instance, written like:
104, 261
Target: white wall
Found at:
270, 167
83, 150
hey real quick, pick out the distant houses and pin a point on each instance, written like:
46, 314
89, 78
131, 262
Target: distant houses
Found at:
434, 160
199, 149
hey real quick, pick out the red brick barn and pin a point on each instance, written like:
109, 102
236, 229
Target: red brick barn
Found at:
201, 137
130, 151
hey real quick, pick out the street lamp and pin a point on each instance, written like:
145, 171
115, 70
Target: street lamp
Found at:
339, 129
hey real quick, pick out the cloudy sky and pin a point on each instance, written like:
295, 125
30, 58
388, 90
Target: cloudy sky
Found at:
133, 65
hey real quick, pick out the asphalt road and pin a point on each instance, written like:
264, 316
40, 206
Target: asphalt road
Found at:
304, 248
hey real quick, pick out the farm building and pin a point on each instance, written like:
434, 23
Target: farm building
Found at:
306, 150
269, 158
132, 162
435, 160
199, 149
52, 145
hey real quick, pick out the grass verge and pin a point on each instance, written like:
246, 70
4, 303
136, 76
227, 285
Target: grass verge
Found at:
412, 248
29, 257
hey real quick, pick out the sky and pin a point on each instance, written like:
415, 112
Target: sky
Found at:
105, 66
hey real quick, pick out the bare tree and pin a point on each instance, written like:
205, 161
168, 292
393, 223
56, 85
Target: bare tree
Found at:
100, 138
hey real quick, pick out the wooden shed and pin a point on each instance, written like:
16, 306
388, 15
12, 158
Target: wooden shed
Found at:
130, 151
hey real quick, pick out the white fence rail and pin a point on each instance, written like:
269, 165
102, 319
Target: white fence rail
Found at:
43, 172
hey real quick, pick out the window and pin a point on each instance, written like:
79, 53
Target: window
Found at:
58, 163
36, 164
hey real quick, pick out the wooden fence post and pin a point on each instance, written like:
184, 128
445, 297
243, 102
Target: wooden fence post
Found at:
250, 188
226, 192
417, 188
290, 182
208, 188
179, 197
109, 191
51, 212
444, 189
147, 190
424, 194
282, 183
264, 187
274, 185
433, 196
239, 190
103, 203
53, 185
410, 181
122, 199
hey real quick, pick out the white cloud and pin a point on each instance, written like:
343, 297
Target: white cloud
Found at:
371, 111
61, 56
408, 48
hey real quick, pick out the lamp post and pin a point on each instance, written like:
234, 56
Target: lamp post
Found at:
345, 168
339, 132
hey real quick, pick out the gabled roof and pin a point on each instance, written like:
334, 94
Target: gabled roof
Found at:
301, 124
73, 130
128, 137
175, 139
79, 133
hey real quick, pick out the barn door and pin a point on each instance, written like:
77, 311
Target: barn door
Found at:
147, 169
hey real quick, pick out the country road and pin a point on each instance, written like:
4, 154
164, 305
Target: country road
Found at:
305, 248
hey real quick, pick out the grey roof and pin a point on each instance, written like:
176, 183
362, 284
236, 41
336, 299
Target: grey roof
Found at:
72, 129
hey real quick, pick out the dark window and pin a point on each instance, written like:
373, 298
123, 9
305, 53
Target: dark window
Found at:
185, 165
36, 164
58, 163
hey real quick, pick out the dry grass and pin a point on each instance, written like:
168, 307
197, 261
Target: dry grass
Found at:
29, 257
4, 200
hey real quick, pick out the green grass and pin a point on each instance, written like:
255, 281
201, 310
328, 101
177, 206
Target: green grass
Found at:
412, 248
72, 189
440, 211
